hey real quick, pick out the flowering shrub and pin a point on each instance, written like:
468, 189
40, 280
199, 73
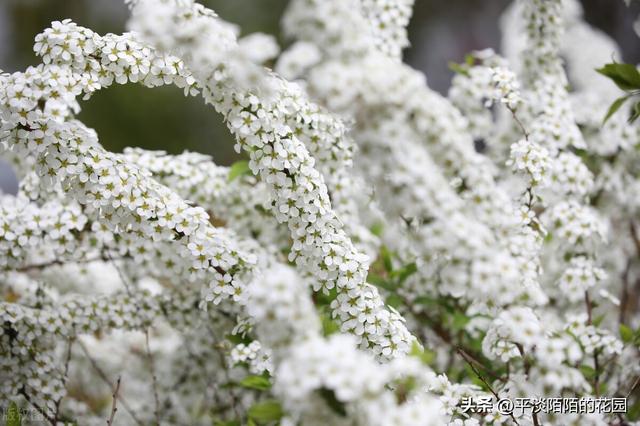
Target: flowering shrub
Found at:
385, 255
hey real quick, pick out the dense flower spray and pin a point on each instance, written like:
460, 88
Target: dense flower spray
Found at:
384, 256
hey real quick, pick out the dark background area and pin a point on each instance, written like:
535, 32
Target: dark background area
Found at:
162, 118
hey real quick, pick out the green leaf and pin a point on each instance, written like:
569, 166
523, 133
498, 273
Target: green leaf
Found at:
266, 411
615, 106
424, 300
385, 254
256, 382
460, 320
625, 76
636, 113
13, 415
329, 326
598, 320
377, 229
236, 339
634, 411
587, 371
394, 300
239, 168
330, 398
405, 272
381, 282
469, 59
458, 69
250, 422
626, 334
422, 354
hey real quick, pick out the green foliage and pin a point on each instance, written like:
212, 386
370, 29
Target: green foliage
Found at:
239, 168
236, 339
627, 78
426, 356
385, 255
329, 326
629, 336
458, 68
615, 106
330, 398
469, 61
265, 411
597, 320
633, 413
588, 372
13, 415
260, 383
626, 333
377, 229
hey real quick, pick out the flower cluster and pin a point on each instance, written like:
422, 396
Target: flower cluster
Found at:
259, 361
299, 195
384, 254
505, 87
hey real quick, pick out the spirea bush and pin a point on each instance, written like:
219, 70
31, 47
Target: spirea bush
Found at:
385, 256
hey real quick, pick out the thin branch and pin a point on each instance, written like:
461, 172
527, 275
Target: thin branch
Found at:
154, 379
105, 379
633, 387
634, 236
517, 120
469, 361
446, 337
26, 396
223, 361
624, 296
59, 262
124, 280
596, 365
114, 402
64, 378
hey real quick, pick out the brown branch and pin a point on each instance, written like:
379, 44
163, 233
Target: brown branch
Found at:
105, 379
64, 378
517, 120
624, 296
58, 262
464, 355
114, 403
154, 379
223, 361
446, 337
596, 366
26, 396
633, 387
634, 236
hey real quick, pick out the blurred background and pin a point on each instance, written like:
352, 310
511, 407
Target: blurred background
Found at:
162, 118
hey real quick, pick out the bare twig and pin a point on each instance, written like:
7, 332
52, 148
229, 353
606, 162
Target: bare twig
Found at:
154, 379
633, 387
624, 296
46, 415
124, 280
64, 378
587, 302
469, 361
596, 364
232, 394
517, 120
58, 262
105, 379
114, 403
634, 236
